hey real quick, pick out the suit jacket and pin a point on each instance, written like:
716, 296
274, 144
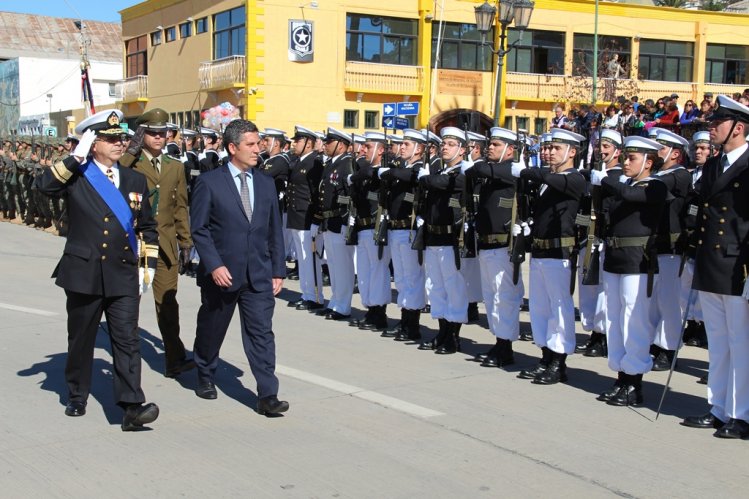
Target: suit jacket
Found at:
171, 210
723, 231
97, 259
253, 252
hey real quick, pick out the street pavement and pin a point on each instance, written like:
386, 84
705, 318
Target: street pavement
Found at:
369, 417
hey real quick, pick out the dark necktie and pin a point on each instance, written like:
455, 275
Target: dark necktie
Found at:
724, 163
156, 165
244, 194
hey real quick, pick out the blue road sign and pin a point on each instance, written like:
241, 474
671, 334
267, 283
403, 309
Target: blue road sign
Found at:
407, 108
401, 123
388, 122
388, 110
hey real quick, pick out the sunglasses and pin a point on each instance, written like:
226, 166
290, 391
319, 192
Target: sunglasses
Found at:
156, 133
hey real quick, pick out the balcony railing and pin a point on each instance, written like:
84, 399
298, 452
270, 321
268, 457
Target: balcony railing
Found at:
229, 72
132, 89
563, 88
383, 78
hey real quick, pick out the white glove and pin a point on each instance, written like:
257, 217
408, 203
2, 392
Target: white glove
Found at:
596, 176
465, 166
745, 293
348, 179
84, 146
516, 230
183, 158
351, 220
145, 279
423, 172
419, 222
517, 168
526, 229
313, 229
380, 171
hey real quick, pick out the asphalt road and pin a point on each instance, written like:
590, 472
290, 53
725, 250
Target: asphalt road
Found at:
369, 417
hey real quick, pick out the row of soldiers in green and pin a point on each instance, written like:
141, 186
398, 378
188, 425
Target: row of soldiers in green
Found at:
22, 160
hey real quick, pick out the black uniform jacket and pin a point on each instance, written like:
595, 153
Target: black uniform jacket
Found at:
210, 162
365, 190
496, 187
723, 233
333, 193
555, 207
633, 210
302, 191
442, 206
277, 167
98, 259
679, 184
401, 193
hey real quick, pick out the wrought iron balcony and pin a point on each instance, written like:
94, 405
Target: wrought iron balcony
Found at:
133, 89
228, 72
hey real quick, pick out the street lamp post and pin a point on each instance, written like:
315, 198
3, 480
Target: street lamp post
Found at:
49, 116
519, 11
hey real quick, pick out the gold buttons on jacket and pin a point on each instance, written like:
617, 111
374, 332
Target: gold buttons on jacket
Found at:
104, 245
702, 229
706, 205
720, 232
127, 248
106, 219
106, 232
722, 221
724, 208
103, 257
717, 246
699, 242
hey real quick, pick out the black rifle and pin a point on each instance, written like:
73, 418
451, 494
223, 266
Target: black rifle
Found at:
419, 244
183, 143
467, 239
352, 236
380, 232
591, 260
520, 213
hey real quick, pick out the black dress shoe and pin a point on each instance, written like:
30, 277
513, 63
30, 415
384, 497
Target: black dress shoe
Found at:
627, 395
502, 356
481, 357
295, 303
526, 336
703, 380
735, 428
183, 366
597, 349
309, 305
663, 361
206, 390
610, 393
75, 409
555, 373
138, 415
705, 421
323, 312
271, 405
335, 316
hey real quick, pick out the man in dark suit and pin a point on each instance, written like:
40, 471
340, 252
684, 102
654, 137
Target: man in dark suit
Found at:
99, 266
720, 271
236, 228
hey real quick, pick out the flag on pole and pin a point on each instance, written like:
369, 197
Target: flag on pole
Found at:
87, 94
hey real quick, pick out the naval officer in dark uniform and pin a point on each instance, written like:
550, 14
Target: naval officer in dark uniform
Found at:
111, 229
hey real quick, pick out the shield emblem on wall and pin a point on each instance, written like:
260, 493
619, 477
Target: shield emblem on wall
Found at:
300, 41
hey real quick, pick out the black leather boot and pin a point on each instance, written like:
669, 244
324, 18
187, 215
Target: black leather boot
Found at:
398, 328
664, 359
412, 330
492, 352
473, 312
452, 339
630, 393
503, 356
378, 320
546, 355
611, 392
438, 340
555, 373
363, 320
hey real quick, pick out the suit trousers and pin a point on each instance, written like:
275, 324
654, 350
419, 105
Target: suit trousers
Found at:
726, 318
341, 269
373, 273
551, 306
84, 315
445, 286
665, 306
629, 326
255, 318
407, 273
302, 242
501, 297
471, 270
591, 302
167, 311
695, 311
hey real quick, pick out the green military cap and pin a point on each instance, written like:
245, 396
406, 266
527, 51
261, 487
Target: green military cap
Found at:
155, 119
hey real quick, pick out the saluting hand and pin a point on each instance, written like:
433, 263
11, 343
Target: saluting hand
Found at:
221, 277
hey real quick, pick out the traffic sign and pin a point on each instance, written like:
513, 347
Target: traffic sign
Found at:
401, 123
50, 131
388, 122
388, 110
407, 108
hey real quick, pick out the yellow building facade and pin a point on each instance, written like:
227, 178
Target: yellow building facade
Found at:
190, 55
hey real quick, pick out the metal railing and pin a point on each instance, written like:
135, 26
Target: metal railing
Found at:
132, 89
223, 73
383, 78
